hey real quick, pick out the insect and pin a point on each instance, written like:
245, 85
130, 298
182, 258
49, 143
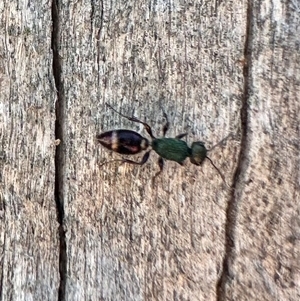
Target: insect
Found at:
129, 142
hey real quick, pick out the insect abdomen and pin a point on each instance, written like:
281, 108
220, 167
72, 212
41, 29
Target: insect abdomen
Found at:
123, 141
171, 149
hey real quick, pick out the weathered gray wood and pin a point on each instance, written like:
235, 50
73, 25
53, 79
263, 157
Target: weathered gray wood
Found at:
28, 222
217, 69
265, 260
127, 239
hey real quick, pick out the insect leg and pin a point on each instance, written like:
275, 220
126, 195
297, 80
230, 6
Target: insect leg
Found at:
144, 159
123, 160
161, 166
222, 141
166, 126
180, 136
111, 161
134, 119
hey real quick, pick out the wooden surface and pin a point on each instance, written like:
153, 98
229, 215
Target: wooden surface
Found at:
71, 229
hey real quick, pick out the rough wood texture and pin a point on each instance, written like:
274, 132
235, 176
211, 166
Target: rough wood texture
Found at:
219, 69
264, 261
28, 224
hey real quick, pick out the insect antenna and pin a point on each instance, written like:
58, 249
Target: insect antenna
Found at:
217, 169
222, 141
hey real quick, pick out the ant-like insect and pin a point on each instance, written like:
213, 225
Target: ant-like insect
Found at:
128, 142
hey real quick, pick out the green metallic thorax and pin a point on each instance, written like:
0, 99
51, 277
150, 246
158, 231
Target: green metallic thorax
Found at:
171, 149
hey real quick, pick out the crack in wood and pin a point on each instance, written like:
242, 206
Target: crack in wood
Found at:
227, 274
59, 153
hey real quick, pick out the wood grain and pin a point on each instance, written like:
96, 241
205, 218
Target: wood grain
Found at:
28, 220
220, 70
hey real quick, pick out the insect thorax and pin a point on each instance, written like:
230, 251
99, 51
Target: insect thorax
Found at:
171, 149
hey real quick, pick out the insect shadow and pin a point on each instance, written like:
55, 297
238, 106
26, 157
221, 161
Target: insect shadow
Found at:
129, 142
